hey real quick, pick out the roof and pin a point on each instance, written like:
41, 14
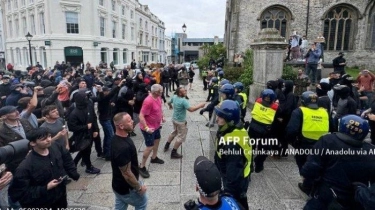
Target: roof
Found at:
202, 40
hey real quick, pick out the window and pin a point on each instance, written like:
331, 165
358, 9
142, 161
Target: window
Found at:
41, 21
26, 56
339, 23
140, 38
115, 56
113, 5
152, 42
140, 23
152, 56
114, 29
123, 31
9, 5
32, 21
152, 30
17, 27
132, 14
24, 25
15, 4
372, 30
10, 29
146, 26
102, 26
101, 2
132, 33
31, 1
23, 3
146, 40
72, 23
276, 17
125, 56
103, 54
18, 56
123, 10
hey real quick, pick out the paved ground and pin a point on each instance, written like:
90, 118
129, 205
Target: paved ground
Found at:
172, 184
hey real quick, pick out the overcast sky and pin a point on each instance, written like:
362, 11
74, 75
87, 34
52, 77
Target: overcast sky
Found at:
203, 18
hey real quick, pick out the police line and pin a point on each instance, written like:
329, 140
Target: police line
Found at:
291, 151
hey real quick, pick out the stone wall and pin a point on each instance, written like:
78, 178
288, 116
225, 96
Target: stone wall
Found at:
243, 25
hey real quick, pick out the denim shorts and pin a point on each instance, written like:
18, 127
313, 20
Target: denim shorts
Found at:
151, 137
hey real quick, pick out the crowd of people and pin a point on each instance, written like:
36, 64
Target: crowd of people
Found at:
39, 106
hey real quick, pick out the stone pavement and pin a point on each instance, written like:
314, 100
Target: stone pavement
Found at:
172, 184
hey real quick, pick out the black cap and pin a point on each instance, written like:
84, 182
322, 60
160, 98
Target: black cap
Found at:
207, 175
341, 53
7, 110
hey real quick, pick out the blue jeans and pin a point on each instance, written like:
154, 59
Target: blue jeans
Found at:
108, 135
133, 198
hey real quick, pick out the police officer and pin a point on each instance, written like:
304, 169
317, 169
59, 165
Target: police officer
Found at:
241, 97
307, 124
233, 158
340, 174
204, 76
213, 89
226, 92
209, 185
263, 116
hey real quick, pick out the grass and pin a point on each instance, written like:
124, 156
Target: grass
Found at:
354, 71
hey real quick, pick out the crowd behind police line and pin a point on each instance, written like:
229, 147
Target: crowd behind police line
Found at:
227, 106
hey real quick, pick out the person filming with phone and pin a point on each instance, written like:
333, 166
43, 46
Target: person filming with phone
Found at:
40, 179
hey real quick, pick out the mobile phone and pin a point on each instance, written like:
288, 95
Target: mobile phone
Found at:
63, 178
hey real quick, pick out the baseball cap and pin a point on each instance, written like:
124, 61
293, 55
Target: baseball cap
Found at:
7, 110
207, 175
5, 76
341, 53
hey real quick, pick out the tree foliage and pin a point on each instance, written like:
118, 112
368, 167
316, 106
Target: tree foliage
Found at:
210, 51
247, 77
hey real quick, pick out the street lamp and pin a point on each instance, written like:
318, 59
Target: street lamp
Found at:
184, 27
29, 37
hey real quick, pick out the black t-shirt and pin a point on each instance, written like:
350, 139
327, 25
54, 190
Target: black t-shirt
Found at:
123, 152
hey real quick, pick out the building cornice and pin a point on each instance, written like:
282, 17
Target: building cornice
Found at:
70, 6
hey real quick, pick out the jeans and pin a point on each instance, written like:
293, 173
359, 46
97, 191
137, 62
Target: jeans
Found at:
165, 88
369, 98
133, 198
311, 68
85, 155
108, 135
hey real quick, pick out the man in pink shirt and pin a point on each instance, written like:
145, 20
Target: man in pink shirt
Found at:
150, 117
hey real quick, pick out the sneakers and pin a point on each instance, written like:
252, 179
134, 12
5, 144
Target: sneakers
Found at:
92, 170
143, 172
157, 160
304, 189
175, 155
258, 169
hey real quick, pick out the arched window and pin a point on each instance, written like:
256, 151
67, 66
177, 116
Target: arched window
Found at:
339, 25
371, 28
276, 17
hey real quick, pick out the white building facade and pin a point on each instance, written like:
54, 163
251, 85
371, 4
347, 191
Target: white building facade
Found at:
168, 49
74, 31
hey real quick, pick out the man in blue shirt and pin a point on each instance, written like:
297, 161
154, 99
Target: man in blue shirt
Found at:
313, 57
180, 104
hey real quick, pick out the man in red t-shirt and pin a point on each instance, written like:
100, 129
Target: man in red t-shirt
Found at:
150, 118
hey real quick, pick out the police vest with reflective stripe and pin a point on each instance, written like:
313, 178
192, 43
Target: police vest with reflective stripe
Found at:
244, 97
227, 203
243, 140
315, 123
262, 113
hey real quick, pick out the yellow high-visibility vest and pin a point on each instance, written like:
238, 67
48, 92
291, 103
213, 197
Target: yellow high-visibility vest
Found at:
243, 141
264, 114
315, 123
244, 97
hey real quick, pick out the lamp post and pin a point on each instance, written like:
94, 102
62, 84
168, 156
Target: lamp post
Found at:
179, 43
184, 28
29, 37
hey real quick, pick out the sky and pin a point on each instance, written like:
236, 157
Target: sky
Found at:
203, 18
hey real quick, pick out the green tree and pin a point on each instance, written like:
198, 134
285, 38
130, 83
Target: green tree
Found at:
210, 51
247, 77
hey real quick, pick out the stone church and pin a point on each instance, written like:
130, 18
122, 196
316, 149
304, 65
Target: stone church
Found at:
347, 25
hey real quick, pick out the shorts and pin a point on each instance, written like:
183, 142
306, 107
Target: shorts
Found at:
190, 80
151, 137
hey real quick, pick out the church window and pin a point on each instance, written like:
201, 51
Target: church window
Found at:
276, 17
339, 30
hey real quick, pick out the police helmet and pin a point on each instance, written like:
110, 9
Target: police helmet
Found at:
219, 69
224, 81
228, 90
238, 86
354, 126
309, 99
220, 73
215, 80
229, 111
268, 93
